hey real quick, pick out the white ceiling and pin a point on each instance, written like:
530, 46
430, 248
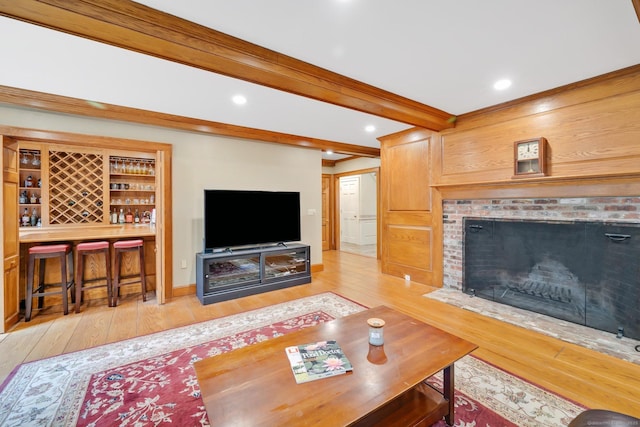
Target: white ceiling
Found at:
442, 53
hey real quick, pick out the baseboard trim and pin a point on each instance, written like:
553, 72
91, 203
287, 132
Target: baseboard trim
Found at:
184, 290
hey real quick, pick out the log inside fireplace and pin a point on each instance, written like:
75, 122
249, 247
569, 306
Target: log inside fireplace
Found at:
583, 272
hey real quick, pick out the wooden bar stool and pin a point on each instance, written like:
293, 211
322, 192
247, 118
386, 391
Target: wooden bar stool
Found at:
42, 252
82, 284
121, 247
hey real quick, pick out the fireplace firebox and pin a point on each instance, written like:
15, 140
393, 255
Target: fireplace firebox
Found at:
583, 272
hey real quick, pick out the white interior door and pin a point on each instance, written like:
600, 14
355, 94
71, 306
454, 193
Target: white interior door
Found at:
349, 209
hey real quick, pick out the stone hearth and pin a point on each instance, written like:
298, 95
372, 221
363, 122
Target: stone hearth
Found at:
594, 339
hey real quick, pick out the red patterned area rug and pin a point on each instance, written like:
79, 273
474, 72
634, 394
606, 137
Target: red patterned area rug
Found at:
149, 381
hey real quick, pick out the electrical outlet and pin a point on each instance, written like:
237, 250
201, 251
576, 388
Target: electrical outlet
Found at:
407, 277
183, 263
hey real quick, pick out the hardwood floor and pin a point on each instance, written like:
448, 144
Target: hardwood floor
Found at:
352, 248
592, 379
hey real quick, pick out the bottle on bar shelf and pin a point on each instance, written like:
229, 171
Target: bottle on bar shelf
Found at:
34, 218
128, 218
25, 218
121, 216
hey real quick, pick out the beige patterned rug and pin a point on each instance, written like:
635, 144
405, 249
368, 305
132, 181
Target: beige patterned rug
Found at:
511, 400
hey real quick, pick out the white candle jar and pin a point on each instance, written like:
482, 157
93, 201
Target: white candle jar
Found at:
376, 331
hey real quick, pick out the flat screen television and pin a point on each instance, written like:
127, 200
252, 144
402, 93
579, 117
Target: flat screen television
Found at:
250, 218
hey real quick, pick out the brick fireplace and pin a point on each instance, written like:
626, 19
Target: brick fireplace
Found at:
553, 211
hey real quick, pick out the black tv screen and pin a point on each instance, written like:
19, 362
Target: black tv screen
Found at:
244, 218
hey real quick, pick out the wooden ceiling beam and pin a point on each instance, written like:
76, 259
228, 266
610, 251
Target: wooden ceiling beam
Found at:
136, 27
66, 105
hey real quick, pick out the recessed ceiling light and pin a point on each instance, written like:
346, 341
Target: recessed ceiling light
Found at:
329, 152
370, 128
239, 100
96, 105
502, 84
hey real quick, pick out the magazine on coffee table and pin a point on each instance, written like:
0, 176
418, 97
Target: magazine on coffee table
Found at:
313, 361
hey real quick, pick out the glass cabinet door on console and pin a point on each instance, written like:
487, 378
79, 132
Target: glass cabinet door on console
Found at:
231, 271
224, 275
285, 263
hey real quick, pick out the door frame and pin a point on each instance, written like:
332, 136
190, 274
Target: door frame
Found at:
336, 204
330, 212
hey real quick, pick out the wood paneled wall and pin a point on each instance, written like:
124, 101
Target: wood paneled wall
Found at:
593, 133
592, 128
410, 238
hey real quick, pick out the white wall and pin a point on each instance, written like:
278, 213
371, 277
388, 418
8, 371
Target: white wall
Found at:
368, 194
205, 161
202, 162
353, 165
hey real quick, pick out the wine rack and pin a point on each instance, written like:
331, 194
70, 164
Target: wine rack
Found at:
76, 194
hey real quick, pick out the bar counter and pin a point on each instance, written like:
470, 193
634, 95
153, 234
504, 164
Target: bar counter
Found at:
30, 236
80, 233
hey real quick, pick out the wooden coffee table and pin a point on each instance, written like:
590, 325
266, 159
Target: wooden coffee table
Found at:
254, 386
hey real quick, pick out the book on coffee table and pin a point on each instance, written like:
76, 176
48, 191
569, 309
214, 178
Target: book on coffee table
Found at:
313, 361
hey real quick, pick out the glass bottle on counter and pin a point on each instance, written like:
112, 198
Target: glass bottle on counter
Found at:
136, 217
121, 216
114, 216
